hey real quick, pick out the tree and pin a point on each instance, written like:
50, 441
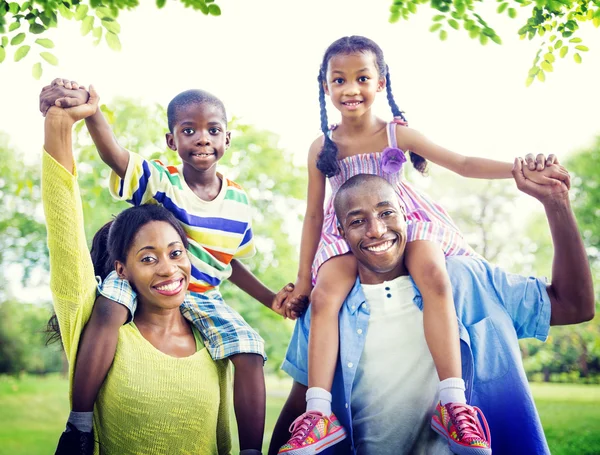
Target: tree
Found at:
21, 22
559, 19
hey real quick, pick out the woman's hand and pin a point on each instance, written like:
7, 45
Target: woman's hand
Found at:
58, 102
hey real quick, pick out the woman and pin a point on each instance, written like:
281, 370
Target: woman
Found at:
163, 394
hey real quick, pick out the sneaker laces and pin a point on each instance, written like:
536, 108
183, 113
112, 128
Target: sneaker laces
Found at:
467, 423
303, 424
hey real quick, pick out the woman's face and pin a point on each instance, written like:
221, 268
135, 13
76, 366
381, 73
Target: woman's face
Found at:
157, 265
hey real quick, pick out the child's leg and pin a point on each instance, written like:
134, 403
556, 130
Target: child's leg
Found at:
334, 281
96, 352
426, 264
249, 399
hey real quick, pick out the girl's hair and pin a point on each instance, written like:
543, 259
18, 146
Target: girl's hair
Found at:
113, 240
327, 161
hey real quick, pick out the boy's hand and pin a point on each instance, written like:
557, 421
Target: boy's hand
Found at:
62, 93
287, 306
73, 114
545, 171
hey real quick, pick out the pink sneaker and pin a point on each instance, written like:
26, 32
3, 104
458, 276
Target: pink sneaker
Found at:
458, 423
312, 433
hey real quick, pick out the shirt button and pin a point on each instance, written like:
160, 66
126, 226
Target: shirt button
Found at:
350, 364
346, 405
389, 296
387, 288
359, 331
353, 307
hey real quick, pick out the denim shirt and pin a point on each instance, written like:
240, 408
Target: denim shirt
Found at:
494, 310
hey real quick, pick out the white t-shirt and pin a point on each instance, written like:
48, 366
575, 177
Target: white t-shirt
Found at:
395, 388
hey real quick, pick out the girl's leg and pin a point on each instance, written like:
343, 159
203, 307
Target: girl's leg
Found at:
249, 399
426, 264
334, 281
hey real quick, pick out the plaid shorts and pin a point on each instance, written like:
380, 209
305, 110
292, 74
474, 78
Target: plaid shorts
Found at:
224, 329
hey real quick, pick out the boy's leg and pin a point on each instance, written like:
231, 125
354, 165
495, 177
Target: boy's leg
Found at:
249, 399
228, 335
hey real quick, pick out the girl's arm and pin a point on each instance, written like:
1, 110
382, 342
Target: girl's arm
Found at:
466, 166
313, 221
71, 271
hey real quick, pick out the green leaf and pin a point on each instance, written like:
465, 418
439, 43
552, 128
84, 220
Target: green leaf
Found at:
36, 28
443, 35
65, 12
582, 48
394, 17
4, 41
2, 54
496, 39
564, 51
36, 71
111, 26
214, 10
45, 42
202, 7
550, 57
81, 12
13, 8
483, 39
577, 58
86, 25
529, 81
533, 71
161, 3
410, 6
547, 66
435, 27
552, 38
474, 33
22, 52
438, 17
541, 76
512, 13
113, 41
575, 40
50, 58
502, 7
453, 24
104, 13
14, 26
558, 44
18, 39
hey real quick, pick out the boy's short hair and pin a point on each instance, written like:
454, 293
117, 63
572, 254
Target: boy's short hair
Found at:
189, 97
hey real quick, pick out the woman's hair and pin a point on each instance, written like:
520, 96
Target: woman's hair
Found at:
113, 240
327, 161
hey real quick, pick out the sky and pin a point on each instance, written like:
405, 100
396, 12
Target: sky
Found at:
262, 59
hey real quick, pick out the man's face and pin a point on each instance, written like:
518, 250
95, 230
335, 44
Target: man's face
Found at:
374, 226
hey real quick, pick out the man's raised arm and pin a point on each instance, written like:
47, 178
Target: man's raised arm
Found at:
571, 290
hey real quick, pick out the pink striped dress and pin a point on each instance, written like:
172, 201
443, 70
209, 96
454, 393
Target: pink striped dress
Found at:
426, 219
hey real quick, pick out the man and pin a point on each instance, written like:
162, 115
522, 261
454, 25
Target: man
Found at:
385, 384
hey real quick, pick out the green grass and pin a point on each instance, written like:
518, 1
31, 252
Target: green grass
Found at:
33, 412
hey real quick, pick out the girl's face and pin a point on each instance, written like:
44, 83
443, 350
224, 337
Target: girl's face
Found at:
352, 81
157, 266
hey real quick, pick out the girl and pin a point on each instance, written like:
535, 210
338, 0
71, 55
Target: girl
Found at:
352, 72
163, 393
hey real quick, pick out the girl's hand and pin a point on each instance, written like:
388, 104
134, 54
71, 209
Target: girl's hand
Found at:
62, 93
74, 114
545, 171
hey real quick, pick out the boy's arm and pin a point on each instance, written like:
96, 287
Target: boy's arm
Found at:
65, 94
251, 285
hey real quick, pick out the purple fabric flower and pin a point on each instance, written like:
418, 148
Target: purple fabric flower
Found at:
392, 160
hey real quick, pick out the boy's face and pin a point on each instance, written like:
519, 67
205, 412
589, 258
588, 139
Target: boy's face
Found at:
200, 135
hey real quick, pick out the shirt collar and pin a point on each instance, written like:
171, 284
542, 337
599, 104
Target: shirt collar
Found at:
356, 298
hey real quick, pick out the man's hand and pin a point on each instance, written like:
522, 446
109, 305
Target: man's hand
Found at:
62, 93
288, 306
544, 192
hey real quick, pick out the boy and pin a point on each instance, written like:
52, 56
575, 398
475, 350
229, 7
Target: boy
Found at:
216, 215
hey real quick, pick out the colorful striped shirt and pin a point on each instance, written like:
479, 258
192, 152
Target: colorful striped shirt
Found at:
217, 230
